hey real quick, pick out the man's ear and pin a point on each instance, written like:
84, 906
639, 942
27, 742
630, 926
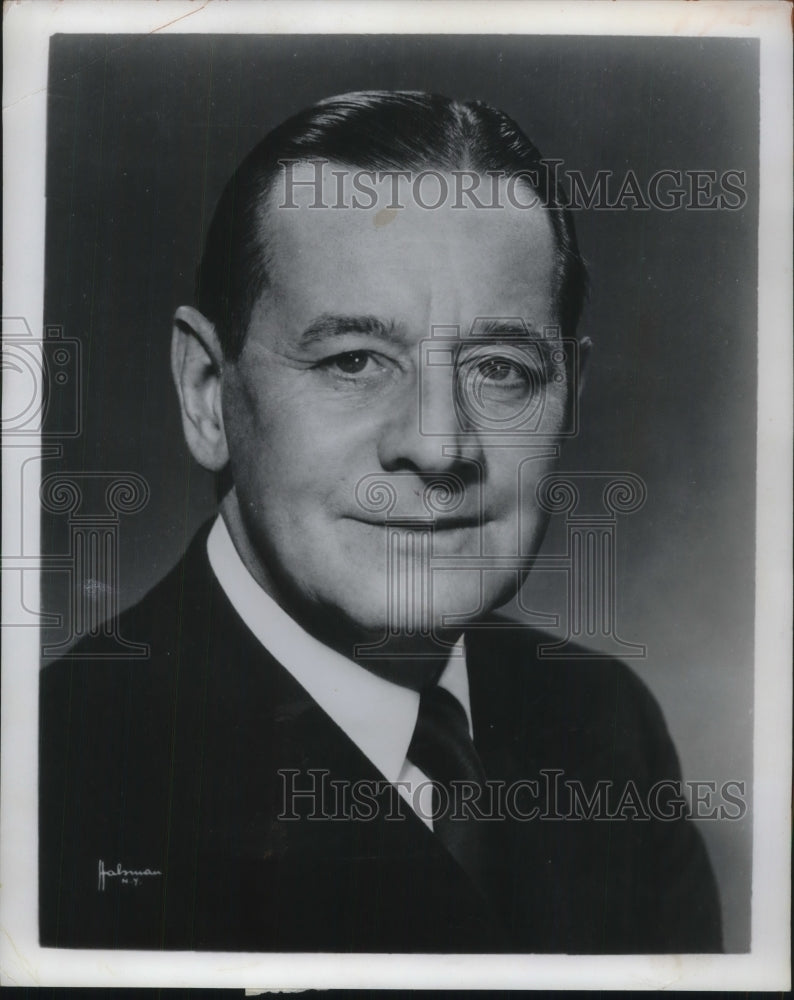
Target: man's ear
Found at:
196, 365
585, 345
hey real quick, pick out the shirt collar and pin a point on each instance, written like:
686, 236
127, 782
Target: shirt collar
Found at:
378, 715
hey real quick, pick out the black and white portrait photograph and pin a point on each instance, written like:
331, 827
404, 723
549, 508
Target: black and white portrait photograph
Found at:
397, 532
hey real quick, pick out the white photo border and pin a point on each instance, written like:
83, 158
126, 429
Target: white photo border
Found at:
28, 27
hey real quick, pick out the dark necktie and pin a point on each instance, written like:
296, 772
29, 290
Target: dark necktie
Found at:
442, 748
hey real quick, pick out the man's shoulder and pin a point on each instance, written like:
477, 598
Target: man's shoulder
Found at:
149, 657
537, 662
571, 700
152, 625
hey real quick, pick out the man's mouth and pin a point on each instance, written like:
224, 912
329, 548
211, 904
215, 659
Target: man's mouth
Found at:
438, 524
456, 523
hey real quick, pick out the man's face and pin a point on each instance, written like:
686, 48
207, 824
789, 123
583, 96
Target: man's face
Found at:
334, 391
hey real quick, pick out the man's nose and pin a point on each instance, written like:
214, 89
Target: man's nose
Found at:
423, 432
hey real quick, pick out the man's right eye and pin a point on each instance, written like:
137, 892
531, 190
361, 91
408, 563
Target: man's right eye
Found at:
354, 366
350, 363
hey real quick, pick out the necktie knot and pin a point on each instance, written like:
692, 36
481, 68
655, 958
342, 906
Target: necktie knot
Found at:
441, 745
443, 749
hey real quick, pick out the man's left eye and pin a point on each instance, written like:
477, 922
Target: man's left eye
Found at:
502, 371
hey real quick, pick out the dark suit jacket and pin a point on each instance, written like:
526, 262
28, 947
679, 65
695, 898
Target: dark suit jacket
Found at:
173, 769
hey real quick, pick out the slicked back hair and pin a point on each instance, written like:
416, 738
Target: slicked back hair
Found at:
373, 131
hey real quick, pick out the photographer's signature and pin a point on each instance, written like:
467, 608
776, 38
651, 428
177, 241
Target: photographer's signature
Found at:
126, 876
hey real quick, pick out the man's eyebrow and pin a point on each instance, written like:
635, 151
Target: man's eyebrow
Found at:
335, 325
507, 327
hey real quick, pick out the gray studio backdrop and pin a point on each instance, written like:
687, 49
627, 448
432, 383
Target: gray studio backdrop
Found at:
143, 132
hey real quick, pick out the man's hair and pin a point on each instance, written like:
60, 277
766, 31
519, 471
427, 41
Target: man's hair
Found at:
378, 131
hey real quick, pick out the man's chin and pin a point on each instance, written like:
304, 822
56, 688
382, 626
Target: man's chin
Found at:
410, 627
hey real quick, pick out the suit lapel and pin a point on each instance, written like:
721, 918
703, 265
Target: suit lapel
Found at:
279, 793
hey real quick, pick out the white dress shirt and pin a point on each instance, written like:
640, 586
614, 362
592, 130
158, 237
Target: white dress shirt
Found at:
378, 715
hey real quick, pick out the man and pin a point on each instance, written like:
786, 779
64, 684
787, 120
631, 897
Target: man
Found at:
335, 744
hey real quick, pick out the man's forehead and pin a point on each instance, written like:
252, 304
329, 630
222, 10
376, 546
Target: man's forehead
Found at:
384, 212
318, 185
328, 253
